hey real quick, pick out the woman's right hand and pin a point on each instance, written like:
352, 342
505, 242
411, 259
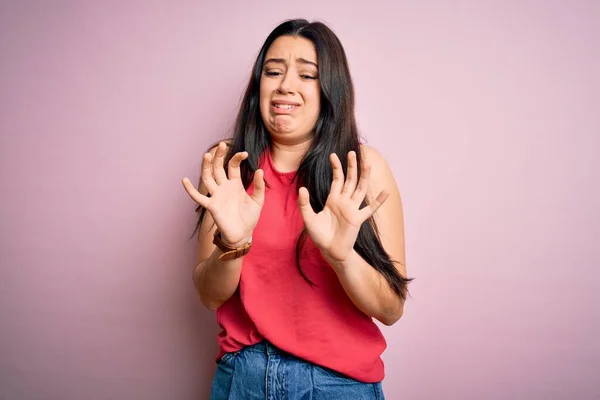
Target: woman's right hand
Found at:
234, 211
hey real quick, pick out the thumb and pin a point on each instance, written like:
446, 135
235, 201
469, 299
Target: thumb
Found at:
304, 203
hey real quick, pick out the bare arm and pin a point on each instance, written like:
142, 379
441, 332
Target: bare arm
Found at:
233, 212
215, 281
365, 286
334, 230
369, 290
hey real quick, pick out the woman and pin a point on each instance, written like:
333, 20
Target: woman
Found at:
303, 243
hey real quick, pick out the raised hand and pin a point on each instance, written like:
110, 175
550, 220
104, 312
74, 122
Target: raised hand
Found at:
234, 211
335, 228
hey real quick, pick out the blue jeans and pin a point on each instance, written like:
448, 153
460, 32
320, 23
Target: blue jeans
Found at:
264, 372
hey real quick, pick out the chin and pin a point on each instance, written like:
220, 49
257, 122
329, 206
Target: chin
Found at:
283, 127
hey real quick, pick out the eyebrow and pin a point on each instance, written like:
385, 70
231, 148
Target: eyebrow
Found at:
282, 61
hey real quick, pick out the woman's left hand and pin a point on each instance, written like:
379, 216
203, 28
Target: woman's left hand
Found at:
335, 228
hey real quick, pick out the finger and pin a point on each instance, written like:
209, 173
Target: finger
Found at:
233, 168
194, 194
338, 174
351, 174
258, 193
207, 174
304, 203
372, 208
218, 169
363, 183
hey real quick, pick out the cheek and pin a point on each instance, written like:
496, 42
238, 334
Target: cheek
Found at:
263, 93
265, 98
315, 100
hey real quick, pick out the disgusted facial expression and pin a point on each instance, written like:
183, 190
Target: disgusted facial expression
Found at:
290, 92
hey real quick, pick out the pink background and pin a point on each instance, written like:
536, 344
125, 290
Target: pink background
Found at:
489, 113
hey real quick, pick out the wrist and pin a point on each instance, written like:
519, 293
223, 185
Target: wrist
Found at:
341, 264
239, 243
231, 250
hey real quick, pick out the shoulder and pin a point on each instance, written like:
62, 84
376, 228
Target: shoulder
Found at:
372, 155
382, 176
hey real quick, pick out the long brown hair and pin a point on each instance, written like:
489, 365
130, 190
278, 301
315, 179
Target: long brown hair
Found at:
335, 132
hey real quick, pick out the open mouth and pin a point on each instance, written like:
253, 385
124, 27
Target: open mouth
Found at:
285, 107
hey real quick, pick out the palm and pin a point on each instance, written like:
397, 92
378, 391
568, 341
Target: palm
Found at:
334, 230
234, 211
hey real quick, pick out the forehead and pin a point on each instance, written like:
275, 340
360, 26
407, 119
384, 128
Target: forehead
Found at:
291, 48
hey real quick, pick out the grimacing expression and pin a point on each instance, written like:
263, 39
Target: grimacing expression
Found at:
290, 92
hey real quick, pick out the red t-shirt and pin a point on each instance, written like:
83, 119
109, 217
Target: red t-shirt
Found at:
319, 323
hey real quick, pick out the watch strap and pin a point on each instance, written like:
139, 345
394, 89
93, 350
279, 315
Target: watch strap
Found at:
230, 253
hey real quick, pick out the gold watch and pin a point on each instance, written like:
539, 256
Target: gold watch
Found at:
230, 253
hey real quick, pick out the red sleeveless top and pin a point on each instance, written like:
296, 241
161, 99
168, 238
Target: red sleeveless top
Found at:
319, 324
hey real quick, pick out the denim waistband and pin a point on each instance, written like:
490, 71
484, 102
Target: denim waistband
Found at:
265, 347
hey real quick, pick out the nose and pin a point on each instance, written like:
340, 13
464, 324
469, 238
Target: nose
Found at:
287, 84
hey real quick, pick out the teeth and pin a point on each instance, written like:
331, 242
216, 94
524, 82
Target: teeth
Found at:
286, 106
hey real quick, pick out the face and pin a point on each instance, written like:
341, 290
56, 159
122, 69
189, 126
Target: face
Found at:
290, 92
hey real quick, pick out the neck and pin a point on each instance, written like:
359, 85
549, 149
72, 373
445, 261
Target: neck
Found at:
287, 157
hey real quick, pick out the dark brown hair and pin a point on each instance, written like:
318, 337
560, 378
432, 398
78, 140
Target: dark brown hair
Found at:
335, 132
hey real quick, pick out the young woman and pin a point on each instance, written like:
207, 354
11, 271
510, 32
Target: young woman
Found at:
301, 238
